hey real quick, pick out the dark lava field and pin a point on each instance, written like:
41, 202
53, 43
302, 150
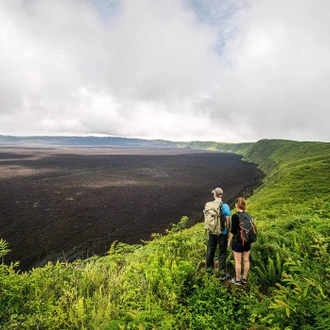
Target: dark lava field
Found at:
64, 203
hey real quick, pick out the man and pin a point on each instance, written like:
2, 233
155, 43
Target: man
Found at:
221, 240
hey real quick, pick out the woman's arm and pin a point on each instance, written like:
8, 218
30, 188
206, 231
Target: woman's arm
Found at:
230, 239
233, 231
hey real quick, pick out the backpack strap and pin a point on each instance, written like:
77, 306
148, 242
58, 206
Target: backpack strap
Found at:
237, 236
222, 217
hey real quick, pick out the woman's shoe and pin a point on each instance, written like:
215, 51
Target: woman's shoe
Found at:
233, 280
243, 280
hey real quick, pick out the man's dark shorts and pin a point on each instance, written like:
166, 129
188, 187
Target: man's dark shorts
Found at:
241, 248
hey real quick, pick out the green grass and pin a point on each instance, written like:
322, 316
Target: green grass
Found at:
162, 284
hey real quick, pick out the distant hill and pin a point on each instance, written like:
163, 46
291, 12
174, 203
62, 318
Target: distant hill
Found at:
83, 141
92, 141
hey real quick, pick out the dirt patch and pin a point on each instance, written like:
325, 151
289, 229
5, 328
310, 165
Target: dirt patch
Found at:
68, 203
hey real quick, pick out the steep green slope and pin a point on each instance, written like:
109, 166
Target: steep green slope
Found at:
293, 212
297, 173
239, 148
271, 154
162, 284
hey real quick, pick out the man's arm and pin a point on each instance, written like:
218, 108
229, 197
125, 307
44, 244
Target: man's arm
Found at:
228, 223
226, 211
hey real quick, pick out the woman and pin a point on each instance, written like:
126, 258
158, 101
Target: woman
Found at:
241, 252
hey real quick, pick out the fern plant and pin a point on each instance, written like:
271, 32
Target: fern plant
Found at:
4, 249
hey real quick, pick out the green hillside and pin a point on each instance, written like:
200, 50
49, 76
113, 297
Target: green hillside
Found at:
162, 284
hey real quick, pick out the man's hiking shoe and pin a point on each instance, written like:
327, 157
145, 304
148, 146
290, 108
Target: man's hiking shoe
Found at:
243, 280
223, 276
233, 280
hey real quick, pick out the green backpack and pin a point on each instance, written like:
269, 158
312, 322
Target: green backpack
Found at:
214, 218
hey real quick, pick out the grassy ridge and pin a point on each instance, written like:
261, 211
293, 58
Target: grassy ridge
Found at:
297, 173
239, 148
162, 284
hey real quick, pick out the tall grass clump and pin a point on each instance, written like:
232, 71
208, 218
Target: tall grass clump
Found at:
162, 284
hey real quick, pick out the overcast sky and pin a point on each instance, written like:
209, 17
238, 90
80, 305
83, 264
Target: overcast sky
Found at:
181, 70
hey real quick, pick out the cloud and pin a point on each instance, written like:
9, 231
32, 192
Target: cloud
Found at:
177, 70
279, 63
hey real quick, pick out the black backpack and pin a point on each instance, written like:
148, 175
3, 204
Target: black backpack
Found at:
247, 229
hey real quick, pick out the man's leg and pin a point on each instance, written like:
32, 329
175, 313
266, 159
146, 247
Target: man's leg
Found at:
211, 247
223, 241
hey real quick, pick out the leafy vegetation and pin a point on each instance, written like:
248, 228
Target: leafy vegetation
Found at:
161, 284
4, 249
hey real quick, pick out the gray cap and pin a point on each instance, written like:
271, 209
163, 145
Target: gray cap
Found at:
217, 191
